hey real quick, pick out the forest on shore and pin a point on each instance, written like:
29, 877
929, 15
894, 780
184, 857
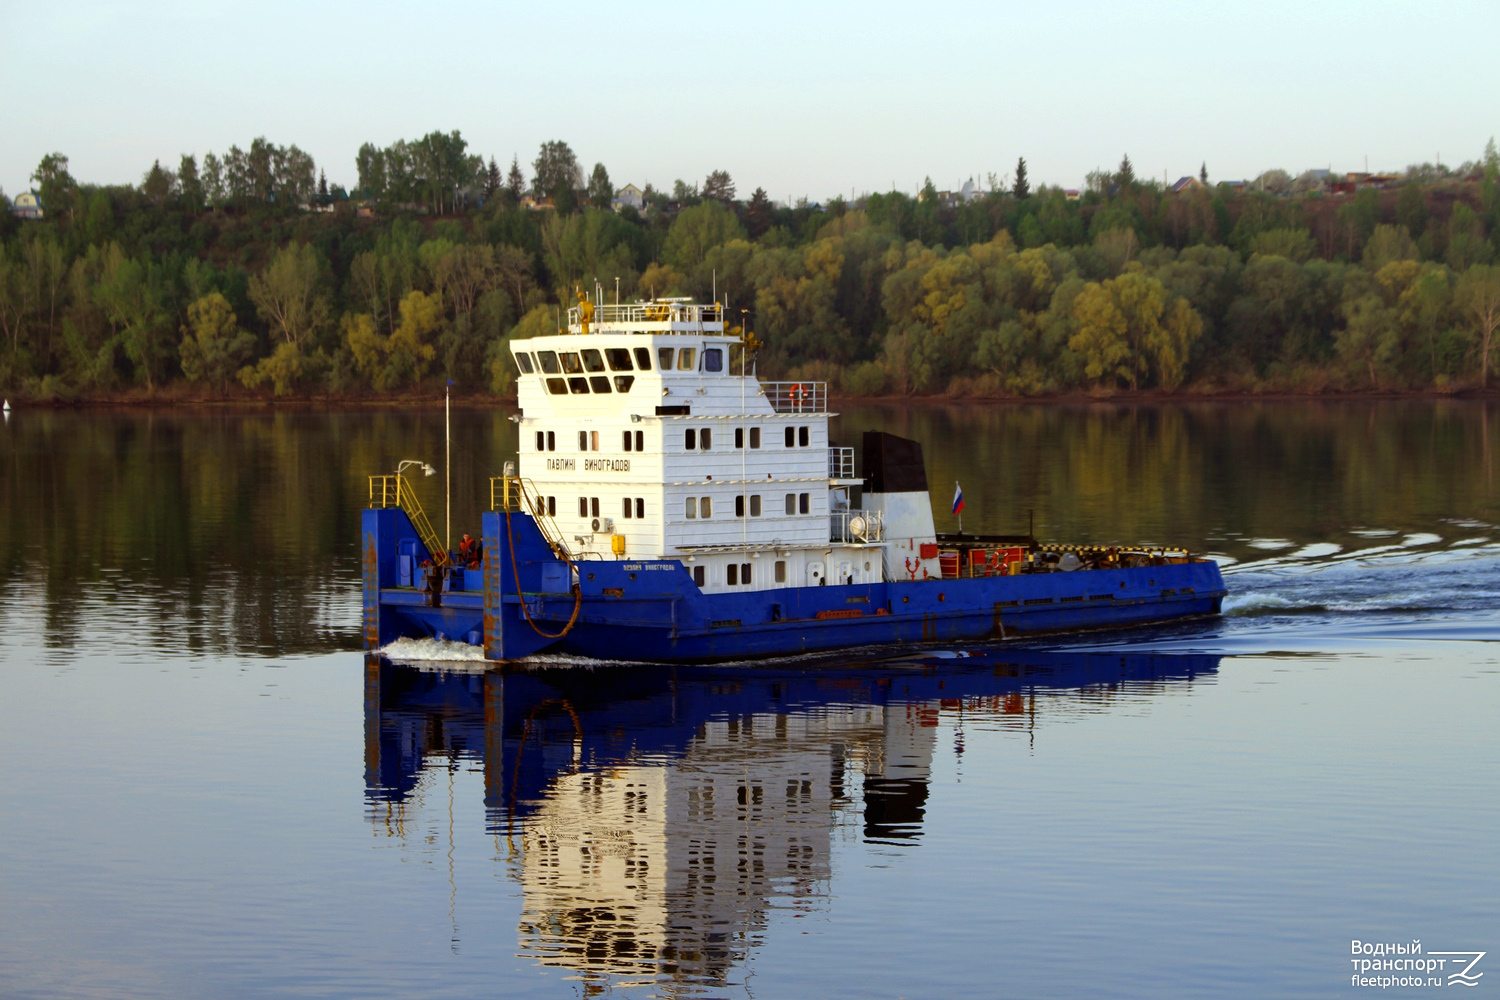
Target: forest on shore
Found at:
247, 276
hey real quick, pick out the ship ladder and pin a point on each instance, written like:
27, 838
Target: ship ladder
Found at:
396, 491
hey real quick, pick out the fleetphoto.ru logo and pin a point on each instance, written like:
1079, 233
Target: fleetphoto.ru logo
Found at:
1405, 966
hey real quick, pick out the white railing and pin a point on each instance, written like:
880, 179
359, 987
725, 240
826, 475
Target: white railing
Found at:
856, 526
663, 315
796, 397
840, 463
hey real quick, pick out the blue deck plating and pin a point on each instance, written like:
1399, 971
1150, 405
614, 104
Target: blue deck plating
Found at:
651, 609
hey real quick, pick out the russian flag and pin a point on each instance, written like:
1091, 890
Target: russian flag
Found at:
958, 497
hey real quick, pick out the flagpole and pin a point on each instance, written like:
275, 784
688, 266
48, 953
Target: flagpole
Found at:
448, 464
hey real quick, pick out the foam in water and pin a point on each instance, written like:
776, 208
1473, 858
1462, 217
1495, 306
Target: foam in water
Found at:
432, 651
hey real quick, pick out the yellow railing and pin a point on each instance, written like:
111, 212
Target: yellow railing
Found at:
395, 491
514, 494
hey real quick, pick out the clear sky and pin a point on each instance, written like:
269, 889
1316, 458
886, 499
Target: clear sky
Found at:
800, 98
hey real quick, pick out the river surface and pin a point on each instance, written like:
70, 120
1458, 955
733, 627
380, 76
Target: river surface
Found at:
207, 790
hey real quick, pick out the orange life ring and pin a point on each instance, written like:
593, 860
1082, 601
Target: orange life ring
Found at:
797, 392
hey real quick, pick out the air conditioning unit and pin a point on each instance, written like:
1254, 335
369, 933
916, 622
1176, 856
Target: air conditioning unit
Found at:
603, 525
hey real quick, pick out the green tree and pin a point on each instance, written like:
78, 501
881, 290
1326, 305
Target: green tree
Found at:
1022, 187
759, 215
1477, 297
289, 293
601, 192
213, 345
1100, 336
720, 186
556, 174
1125, 175
54, 183
696, 231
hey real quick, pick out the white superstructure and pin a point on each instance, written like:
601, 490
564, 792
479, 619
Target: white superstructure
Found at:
645, 438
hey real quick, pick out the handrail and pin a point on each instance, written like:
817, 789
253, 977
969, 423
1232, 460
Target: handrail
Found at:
508, 494
649, 313
840, 463
796, 397
396, 491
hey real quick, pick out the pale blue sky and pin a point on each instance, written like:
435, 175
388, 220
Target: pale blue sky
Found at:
802, 99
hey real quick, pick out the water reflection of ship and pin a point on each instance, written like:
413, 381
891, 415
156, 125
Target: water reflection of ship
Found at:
660, 812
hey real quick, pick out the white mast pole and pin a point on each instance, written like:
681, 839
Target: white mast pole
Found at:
448, 464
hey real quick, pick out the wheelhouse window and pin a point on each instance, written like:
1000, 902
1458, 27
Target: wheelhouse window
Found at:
664, 355
599, 383
571, 364
523, 362
624, 382
557, 386
618, 358
593, 361
713, 359
643, 358
578, 385
548, 361
687, 359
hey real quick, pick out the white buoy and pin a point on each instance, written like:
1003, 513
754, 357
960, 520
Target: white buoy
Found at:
7, 406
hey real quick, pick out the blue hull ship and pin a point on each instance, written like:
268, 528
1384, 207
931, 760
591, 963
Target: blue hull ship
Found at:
668, 510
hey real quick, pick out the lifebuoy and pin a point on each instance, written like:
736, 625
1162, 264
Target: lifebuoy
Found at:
797, 392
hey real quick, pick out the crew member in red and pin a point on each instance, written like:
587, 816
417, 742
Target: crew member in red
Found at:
469, 552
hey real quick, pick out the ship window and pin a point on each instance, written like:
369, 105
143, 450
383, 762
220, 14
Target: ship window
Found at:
755, 505
594, 507
713, 359
551, 440
593, 440
739, 505
705, 439
541, 441
599, 383
552, 506
739, 437
583, 440
578, 385
802, 437
624, 382
640, 440
692, 508
791, 503
690, 439
557, 386
781, 571
698, 575
687, 359
665, 356
548, 360
627, 440
643, 358
755, 437
523, 361
618, 358
791, 438
640, 507
745, 573
570, 363
803, 504
583, 506
706, 506
593, 361
732, 575
629, 508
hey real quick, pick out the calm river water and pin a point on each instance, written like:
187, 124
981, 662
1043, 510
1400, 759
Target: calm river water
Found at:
207, 790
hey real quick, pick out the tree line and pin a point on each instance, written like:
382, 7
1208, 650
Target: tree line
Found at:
248, 274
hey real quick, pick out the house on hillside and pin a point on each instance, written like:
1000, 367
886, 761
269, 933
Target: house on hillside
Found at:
534, 204
629, 196
1187, 183
28, 205
1072, 194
